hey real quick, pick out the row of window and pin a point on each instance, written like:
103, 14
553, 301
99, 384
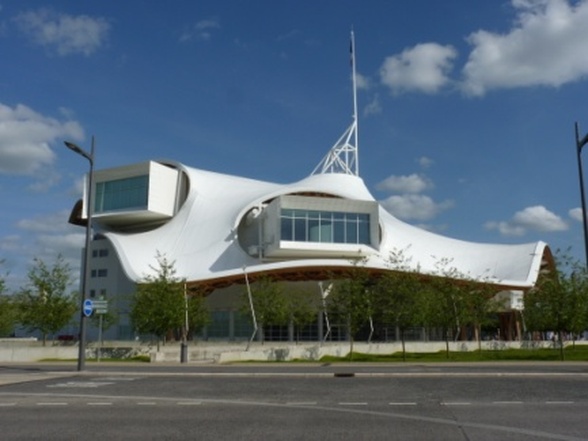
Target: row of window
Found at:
103, 252
325, 226
121, 194
103, 272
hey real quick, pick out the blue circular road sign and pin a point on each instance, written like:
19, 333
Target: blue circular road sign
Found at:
88, 307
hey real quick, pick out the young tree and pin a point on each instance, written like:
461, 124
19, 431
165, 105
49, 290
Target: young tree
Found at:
158, 306
398, 295
198, 314
269, 303
480, 304
351, 300
558, 302
302, 307
7, 309
44, 304
444, 301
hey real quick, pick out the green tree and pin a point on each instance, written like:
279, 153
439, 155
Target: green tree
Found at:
444, 301
158, 305
44, 305
7, 309
558, 302
198, 313
351, 300
480, 305
269, 304
303, 307
398, 295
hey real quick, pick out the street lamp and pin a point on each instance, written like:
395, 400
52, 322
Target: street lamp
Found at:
86, 267
579, 144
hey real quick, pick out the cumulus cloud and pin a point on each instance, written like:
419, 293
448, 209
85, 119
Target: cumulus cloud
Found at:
66, 34
545, 47
200, 31
424, 162
25, 138
536, 218
424, 67
413, 183
415, 206
576, 214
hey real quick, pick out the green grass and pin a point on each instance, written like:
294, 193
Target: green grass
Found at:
578, 353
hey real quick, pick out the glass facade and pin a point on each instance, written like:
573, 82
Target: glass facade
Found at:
325, 226
122, 194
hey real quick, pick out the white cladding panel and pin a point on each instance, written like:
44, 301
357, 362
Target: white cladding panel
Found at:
163, 187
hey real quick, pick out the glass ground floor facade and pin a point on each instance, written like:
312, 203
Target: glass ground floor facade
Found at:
232, 325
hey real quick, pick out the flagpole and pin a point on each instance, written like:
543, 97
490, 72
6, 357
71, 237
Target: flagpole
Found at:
354, 79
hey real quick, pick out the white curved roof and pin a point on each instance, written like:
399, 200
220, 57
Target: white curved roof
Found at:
201, 239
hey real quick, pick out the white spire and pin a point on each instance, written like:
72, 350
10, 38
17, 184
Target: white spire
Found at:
343, 156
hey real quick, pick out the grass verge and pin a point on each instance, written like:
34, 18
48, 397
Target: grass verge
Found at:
578, 353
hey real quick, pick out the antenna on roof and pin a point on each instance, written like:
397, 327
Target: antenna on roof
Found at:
343, 156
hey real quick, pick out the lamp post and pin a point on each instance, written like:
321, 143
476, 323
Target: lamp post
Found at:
580, 143
86, 266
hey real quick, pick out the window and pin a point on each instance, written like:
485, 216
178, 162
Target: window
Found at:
99, 273
100, 253
122, 194
325, 226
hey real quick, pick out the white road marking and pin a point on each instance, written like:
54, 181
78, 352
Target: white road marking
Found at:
80, 384
457, 403
407, 403
353, 404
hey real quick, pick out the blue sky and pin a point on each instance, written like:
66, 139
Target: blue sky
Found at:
466, 107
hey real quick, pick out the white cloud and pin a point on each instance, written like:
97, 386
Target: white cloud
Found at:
425, 162
423, 68
413, 206
545, 47
25, 136
576, 214
201, 30
536, 218
363, 82
373, 107
64, 33
405, 184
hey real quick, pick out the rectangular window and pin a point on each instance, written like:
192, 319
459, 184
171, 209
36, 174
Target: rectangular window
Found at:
122, 194
325, 226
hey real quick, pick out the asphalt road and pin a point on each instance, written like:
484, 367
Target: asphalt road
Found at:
471, 402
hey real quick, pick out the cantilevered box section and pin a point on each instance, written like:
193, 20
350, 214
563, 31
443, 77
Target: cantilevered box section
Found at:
138, 194
301, 226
